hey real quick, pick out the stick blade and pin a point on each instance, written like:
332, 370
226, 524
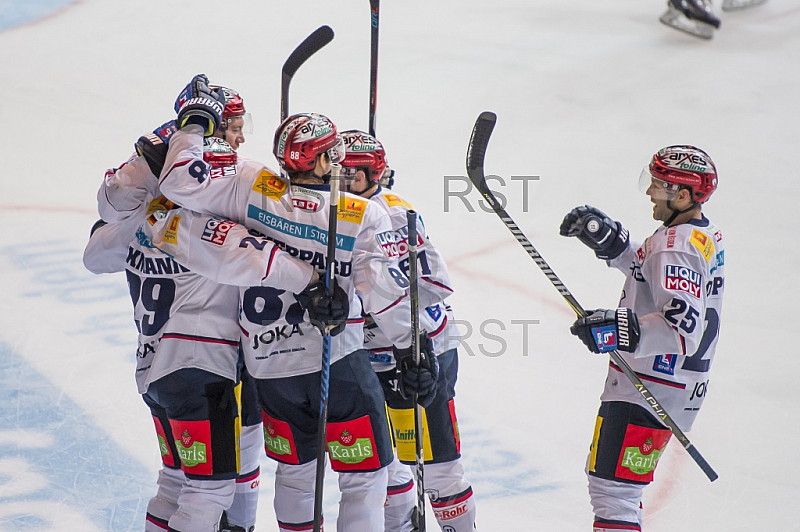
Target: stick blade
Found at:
476, 152
311, 45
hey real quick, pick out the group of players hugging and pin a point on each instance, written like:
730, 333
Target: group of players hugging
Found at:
225, 261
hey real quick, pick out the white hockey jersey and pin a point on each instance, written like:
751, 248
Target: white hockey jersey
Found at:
184, 320
675, 282
278, 340
434, 283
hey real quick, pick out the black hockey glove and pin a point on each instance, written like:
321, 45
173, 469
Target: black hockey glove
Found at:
605, 330
603, 235
198, 104
325, 311
420, 380
153, 146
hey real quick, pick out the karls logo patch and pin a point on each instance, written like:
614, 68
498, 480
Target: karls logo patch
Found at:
193, 443
703, 243
682, 279
641, 449
351, 445
216, 231
278, 440
270, 185
387, 244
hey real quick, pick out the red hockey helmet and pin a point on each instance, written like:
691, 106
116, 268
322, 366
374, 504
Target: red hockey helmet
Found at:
362, 150
301, 137
682, 166
234, 104
218, 153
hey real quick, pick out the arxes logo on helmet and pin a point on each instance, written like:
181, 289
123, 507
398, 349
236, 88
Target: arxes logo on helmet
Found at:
688, 161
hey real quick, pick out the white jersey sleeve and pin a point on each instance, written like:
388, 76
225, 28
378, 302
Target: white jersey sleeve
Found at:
225, 251
108, 246
125, 190
378, 280
190, 181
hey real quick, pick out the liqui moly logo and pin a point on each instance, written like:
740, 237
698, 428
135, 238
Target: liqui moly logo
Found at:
682, 279
216, 231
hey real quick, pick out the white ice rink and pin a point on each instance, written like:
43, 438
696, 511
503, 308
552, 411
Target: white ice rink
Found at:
584, 91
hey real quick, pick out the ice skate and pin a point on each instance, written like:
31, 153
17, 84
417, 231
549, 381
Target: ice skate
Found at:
691, 16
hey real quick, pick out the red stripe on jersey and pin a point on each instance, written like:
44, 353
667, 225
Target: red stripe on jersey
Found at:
173, 167
455, 499
294, 527
244, 332
248, 477
440, 329
203, 339
271, 257
393, 304
160, 523
650, 378
402, 488
616, 525
437, 284
356, 320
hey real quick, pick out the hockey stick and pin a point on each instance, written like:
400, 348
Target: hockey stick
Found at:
476, 153
418, 517
311, 45
375, 7
325, 372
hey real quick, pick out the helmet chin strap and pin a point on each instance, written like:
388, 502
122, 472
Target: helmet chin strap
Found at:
676, 212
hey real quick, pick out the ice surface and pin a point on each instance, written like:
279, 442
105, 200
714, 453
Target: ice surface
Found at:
584, 93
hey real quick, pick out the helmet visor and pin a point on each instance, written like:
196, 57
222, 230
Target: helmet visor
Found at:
241, 123
654, 187
336, 152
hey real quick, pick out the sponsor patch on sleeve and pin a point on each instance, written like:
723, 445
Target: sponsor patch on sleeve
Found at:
160, 204
682, 279
393, 200
351, 209
171, 234
270, 185
387, 244
703, 243
216, 231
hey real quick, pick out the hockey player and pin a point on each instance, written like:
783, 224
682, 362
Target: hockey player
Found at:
187, 359
364, 166
666, 327
696, 17
282, 347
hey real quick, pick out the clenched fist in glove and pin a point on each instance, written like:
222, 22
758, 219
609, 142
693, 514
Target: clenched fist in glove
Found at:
605, 330
418, 379
153, 147
323, 310
198, 104
603, 235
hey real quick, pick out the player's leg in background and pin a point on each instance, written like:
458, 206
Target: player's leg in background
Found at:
242, 512
199, 404
170, 478
359, 442
626, 446
400, 493
290, 412
449, 491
